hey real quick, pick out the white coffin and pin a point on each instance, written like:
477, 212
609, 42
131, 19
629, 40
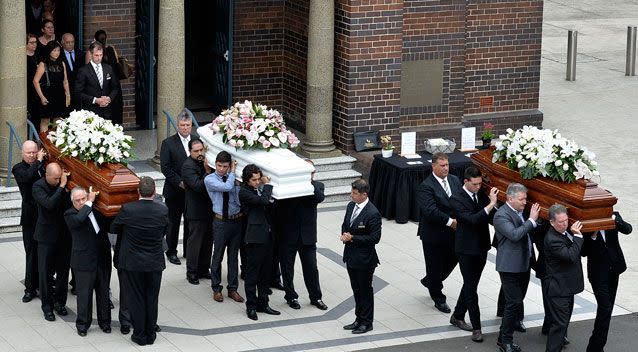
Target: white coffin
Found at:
290, 175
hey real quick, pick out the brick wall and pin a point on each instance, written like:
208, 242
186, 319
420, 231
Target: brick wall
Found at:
117, 18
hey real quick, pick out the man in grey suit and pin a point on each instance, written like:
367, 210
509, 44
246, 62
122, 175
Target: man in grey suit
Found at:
514, 257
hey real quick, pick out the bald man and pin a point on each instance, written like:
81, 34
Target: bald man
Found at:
74, 60
54, 240
26, 172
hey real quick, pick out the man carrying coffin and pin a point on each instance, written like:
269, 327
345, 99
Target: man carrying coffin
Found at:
90, 260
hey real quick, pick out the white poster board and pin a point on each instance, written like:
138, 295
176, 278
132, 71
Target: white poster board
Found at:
408, 145
468, 138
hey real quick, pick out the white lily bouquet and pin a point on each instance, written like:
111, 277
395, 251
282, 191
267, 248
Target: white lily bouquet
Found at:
87, 136
535, 152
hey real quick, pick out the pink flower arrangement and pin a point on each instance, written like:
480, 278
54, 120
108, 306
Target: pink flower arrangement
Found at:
253, 126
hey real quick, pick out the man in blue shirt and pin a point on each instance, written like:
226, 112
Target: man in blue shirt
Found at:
227, 229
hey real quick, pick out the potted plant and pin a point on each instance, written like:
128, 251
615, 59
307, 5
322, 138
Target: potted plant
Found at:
487, 135
386, 146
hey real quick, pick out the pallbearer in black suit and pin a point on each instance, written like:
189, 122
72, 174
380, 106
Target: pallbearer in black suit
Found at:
564, 273
140, 227
26, 172
199, 212
605, 263
90, 260
54, 241
254, 196
437, 226
360, 232
473, 211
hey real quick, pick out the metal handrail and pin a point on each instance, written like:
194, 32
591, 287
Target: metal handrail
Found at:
193, 118
32, 132
12, 135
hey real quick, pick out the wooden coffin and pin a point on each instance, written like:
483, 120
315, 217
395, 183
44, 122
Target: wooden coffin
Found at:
116, 183
584, 200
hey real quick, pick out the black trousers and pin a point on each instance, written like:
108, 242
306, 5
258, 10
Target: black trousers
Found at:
124, 316
308, 257
143, 289
87, 282
605, 292
500, 307
53, 259
175, 212
200, 247
440, 260
361, 283
561, 310
258, 274
31, 254
226, 236
547, 320
471, 268
275, 271
514, 295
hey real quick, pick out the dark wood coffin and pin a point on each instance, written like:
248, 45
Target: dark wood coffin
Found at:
584, 200
116, 183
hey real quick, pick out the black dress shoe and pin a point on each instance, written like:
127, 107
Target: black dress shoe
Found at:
424, 283
277, 285
157, 328
28, 296
319, 304
251, 314
294, 304
60, 309
510, 347
477, 335
192, 279
172, 258
125, 329
49, 316
499, 313
520, 327
362, 328
151, 339
352, 326
138, 341
268, 310
82, 332
443, 307
106, 328
459, 323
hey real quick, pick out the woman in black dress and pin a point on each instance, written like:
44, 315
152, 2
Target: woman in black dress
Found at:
52, 86
48, 34
33, 101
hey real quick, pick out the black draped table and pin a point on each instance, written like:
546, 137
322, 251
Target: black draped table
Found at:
394, 182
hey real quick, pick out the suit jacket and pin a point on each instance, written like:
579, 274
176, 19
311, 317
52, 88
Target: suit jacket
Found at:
254, 207
198, 205
605, 256
52, 201
172, 157
512, 235
436, 210
88, 87
296, 218
538, 237
562, 264
140, 227
366, 233
89, 249
472, 228
25, 176
71, 74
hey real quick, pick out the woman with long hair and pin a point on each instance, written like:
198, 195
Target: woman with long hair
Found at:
52, 86
33, 101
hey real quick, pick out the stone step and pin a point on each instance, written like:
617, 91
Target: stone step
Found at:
10, 224
332, 164
337, 194
10, 208
337, 178
9, 193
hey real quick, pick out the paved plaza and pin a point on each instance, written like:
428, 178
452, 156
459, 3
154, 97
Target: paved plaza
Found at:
598, 110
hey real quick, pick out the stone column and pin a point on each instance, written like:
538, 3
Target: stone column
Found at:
13, 79
171, 65
319, 141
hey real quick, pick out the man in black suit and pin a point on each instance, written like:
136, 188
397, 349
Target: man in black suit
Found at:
173, 152
26, 173
605, 263
473, 210
90, 260
96, 85
254, 197
297, 227
73, 59
140, 227
54, 241
563, 271
199, 212
360, 232
437, 226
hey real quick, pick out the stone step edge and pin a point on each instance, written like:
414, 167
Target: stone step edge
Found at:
334, 160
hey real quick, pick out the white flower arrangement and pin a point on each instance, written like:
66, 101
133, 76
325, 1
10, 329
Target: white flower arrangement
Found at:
87, 136
536, 152
253, 126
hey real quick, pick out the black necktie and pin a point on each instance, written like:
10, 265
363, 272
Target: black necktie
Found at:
225, 201
474, 197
